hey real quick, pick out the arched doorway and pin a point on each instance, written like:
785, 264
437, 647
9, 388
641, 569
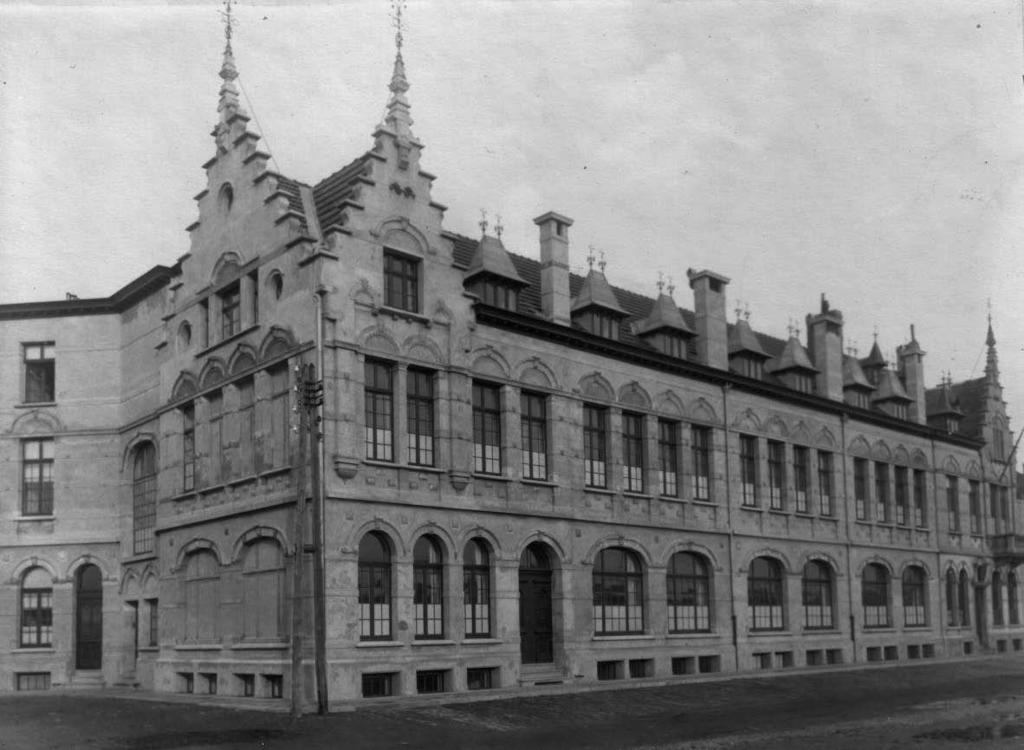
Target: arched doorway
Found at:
88, 618
535, 626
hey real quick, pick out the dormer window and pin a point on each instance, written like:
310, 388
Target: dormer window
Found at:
899, 410
751, 367
495, 293
670, 343
860, 399
599, 323
401, 282
803, 382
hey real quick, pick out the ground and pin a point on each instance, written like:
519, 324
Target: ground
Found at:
970, 705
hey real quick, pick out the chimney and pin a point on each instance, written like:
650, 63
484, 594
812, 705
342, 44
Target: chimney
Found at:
825, 346
709, 317
911, 364
554, 267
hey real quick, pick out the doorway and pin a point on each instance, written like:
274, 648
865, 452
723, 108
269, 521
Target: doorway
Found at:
88, 618
536, 640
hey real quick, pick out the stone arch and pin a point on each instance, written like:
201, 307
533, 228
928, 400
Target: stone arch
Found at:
255, 533
559, 557
489, 362
901, 455
801, 433
37, 422
27, 564
430, 528
211, 374
422, 348
196, 545
775, 426
242, 359
973, 470
150, 580
227, 267
618, 541
747, 421
401, 234
826, 439
880, 451
859, 447
697, 549
278, 341
770, 552
950, 465
131, 585
918, 459
633, 394
378, 339
535, 371
88, 559
915, 562
376, 524
184, 386
701, 410
822, 557
669, 403
140, 438
879, 560
596, 386
479, 532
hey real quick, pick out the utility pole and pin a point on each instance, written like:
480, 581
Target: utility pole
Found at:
298, 557
313, 397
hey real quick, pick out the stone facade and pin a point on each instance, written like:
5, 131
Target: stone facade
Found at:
641, 491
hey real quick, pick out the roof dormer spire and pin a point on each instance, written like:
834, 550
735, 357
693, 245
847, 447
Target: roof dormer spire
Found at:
992, 359
397, 117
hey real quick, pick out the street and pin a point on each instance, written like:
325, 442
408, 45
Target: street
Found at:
977, 705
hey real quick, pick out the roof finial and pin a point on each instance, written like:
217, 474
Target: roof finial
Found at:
790, 328
738, 310
483, 222
746, 311
602, 263
671, 287
229, 104
398, 108
498, 228
590, 257
875, 334
661, 283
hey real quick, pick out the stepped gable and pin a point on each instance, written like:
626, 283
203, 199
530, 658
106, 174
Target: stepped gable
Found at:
331, 193
291, 190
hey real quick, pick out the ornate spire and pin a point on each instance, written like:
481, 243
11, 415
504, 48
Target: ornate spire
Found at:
397, 117
229, 104
992, 360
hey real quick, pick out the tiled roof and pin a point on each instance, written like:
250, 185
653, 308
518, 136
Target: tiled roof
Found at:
743, 339
664, 314
331, 191
596, 292
491, 257
794, 357
853, 375
970, 396
291, 188
874, 358
890, 387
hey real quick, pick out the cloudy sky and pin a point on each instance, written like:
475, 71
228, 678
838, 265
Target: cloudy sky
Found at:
869, 150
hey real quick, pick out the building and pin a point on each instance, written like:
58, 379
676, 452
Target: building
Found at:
529, 476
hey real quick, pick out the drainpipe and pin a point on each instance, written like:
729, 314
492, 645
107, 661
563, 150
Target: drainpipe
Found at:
732, 535
319, 582
849, 544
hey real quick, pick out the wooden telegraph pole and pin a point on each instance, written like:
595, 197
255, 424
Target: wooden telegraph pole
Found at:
313, 397
299, 548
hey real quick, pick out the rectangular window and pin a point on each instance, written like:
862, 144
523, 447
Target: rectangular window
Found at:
431, 681
379, 402
595, 436
36, 618
481, 678
902, 494
188, 447
920, 499
280, 417
953, 502
668, 455
154, 621
975, 501
401, 282
32, 680
700, 448
860, 487
214, 436
378, 684
230, 311
534, 425
420, 409
995, 508
800, 477
39, 373
486, 428
246, 426
883, 514
777, 475
748, 470
826, 505
632, 452
37, 477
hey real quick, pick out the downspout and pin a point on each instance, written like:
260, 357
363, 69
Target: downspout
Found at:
732, 534
849, 544
319, 580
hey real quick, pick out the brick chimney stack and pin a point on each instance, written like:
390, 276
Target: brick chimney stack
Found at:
911, 365
825, 346
709, 317
555, 300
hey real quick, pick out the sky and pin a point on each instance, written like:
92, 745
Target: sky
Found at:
868, 150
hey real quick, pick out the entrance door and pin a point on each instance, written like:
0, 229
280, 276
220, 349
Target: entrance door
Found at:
535, 631
88, 618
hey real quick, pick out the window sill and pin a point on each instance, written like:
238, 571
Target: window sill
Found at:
599, 490
477, 476
623, 637
21, 650
538, 482
778, 512
381, 464
637, 495
752, 508
228, 340
671, 498
422, 469
395, 313
198, 646
703, 500
30, 519
822, 631
922, 626
35, 404
269, 645
705, 634
879, 629
379, 644
481, 641
149, 649
765, 633
432, 642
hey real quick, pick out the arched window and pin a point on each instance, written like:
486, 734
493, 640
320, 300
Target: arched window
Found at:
374, 587
688, 594
964, 598
226, 197
817, 595
764, 595
1012, 602
618, 592
951, 597
263, 576
476, 588
428, 587
143, 498
202, 595
36, 609
875, 596
997, 598
914, 612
